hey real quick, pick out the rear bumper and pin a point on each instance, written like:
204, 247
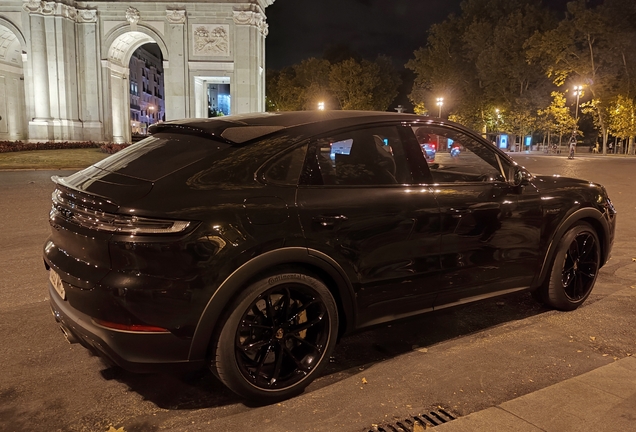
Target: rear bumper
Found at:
133, 351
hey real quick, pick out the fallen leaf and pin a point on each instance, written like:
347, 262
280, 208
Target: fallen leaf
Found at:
417, 427
364, 381
592, 338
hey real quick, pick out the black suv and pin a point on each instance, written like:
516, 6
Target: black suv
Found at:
250, 244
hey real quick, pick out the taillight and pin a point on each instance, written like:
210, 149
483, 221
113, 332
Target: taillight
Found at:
117, 223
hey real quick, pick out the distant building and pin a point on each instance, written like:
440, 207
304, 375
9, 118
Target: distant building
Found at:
146, 91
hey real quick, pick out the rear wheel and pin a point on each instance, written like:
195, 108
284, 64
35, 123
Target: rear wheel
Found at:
574, 270
277, 338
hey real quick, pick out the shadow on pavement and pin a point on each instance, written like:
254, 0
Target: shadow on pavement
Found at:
354, 353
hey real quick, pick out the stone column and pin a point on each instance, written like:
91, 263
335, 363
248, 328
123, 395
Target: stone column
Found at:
39, 63
90, 113
176, 85
248, 89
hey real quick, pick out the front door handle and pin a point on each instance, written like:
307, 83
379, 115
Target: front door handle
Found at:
328, 221
458, 212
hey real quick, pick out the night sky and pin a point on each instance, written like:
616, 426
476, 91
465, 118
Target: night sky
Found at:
300, 29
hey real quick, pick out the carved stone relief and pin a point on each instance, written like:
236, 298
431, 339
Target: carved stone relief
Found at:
211, 39
176, 16
132, 15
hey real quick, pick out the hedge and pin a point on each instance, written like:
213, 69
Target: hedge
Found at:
15, 146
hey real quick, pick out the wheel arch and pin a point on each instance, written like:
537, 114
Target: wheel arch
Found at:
590, 215
286, 259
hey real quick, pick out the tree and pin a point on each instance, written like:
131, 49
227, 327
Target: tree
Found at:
387, 89
364, 85
584, 49
621, 121
557, 117
282, 92
476, 61
300, 86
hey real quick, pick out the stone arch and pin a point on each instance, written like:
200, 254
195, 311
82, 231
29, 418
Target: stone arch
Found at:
120, 44
12, 95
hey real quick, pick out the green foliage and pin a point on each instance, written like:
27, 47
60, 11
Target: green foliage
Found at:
348, 84
557, 117
622, 123
476, 61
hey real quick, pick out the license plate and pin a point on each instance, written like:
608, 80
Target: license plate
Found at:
57, 283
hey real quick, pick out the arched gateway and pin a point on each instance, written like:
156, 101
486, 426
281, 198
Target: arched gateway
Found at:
64, 64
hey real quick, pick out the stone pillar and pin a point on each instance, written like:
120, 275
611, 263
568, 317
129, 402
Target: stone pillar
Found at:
248, 84
120, 100
89, 93
175, 68
40, 75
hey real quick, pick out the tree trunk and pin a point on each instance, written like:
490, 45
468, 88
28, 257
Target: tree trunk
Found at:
630, 148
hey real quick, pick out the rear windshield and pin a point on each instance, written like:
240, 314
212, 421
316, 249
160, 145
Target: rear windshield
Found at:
159, 155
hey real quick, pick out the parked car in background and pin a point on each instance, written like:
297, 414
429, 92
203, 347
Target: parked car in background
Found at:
249, 244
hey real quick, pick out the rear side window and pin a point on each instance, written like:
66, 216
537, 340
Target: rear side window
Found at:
286, 169
363, 157
160, 155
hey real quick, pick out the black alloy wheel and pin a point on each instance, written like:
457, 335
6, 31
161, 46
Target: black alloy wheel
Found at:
575, 268
278, 337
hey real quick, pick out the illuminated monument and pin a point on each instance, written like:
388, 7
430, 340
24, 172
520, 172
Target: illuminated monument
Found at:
64, 65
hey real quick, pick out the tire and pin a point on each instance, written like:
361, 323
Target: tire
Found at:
574, 269
278, 337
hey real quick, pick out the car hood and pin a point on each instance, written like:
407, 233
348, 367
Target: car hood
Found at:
558, 182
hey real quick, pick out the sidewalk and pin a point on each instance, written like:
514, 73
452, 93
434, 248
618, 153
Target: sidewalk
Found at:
565, 154
601, 400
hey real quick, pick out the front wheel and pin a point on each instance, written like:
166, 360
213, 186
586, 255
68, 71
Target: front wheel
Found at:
277, 338
575, 268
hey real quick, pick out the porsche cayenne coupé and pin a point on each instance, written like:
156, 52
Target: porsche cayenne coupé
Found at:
250, 244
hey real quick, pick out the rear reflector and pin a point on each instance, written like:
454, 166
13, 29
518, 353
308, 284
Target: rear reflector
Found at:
130, 327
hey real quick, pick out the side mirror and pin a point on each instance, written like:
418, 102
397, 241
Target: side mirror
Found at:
521, 177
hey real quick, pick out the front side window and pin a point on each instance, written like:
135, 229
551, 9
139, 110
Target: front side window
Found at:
363, 157
456, 157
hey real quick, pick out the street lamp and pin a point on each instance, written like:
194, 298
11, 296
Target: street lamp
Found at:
440, 102
321, 106
578, 90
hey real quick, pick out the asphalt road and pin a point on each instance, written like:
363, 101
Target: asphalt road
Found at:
463, 359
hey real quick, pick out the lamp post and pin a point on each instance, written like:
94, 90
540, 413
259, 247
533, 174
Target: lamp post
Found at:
321, 106
497, 117
578, 90
440, 102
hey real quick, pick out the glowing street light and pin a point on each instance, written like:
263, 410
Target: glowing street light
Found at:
321, 106
578, 91
440, 102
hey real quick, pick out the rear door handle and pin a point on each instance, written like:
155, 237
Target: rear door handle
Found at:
329, 220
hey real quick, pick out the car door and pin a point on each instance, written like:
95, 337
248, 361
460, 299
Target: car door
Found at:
486, 246
359, 202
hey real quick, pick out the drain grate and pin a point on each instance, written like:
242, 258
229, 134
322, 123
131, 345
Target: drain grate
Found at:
416, 423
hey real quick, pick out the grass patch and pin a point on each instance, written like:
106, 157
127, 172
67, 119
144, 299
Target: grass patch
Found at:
51, 159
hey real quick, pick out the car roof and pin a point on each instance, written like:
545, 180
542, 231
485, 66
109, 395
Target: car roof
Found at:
241, 128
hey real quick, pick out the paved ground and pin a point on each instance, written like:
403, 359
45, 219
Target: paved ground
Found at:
505, 362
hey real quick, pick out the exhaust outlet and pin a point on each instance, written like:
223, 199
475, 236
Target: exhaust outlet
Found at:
70, 338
